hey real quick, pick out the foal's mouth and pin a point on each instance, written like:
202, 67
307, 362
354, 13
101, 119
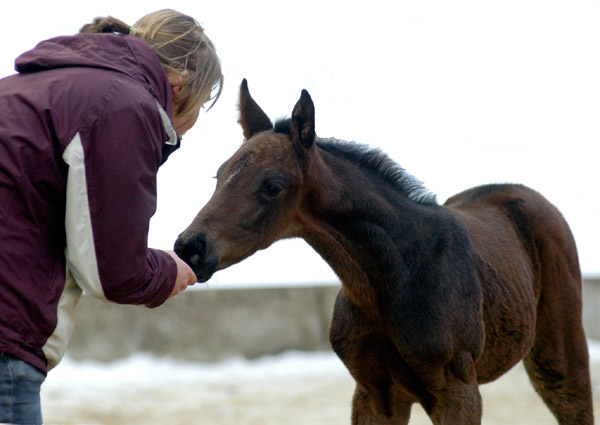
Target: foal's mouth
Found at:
205, 271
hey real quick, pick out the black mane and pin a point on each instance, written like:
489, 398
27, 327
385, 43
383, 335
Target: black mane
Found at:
375, 160
283, 126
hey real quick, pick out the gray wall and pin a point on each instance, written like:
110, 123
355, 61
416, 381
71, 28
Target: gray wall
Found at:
591, 307
209, 325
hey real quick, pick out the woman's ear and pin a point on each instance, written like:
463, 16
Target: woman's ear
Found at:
174, 79
175, 91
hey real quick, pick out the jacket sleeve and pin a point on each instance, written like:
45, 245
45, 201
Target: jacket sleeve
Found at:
111, 196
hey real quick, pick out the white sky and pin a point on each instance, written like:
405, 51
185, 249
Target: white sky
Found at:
460, 93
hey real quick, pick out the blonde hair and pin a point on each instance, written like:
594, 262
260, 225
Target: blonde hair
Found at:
183, 49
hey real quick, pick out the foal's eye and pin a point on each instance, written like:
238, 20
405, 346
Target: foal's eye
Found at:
271, 189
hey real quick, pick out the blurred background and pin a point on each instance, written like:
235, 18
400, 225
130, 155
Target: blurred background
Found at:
459, 93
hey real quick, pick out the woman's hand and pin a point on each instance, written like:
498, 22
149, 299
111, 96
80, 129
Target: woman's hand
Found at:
185, 275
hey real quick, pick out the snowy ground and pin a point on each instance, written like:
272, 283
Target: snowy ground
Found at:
292, 388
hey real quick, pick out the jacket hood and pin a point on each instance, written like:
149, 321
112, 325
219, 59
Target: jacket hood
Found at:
121, 53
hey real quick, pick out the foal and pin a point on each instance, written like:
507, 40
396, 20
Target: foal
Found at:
435, 300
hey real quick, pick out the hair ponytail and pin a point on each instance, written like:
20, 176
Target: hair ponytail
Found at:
108, 24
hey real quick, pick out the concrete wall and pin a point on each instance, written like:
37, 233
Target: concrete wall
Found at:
209, 325
591, 307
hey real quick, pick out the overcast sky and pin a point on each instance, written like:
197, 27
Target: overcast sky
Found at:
460, 93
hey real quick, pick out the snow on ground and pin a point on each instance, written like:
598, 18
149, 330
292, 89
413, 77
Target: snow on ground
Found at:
291, 388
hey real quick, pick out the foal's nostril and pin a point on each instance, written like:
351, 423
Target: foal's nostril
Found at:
192, 250
198, 245
195, 260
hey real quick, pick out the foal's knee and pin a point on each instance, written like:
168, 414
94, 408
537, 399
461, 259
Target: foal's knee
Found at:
457, 404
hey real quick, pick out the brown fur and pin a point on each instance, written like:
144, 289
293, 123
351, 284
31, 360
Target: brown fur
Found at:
435, 300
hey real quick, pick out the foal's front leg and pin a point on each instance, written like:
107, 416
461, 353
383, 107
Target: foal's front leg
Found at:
457, 404
364, 411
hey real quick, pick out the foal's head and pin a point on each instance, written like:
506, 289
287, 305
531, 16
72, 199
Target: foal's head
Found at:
258, 193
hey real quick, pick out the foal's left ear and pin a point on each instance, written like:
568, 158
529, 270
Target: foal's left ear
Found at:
252, 117
303, 122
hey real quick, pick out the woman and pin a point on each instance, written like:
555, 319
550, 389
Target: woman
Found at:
84, 127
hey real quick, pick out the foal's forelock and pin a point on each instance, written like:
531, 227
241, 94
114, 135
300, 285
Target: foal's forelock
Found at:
238, 167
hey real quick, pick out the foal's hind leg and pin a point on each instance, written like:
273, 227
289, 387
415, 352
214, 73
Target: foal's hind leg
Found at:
558, 363
558, 368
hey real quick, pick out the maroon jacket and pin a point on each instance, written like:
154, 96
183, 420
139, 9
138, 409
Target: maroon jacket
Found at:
84, 127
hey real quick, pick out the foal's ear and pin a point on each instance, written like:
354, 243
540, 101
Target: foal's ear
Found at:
303, 122
252, 119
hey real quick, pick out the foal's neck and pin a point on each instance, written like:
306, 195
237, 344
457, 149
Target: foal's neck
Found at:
360, 225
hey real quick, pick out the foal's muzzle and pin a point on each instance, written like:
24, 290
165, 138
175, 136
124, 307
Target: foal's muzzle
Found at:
193, 250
